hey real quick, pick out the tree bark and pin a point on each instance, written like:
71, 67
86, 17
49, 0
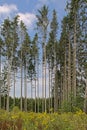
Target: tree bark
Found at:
14, 87
49, 89
21, 82
65, 81
0, 76
25, 88
74, 60
69, 70
8, 85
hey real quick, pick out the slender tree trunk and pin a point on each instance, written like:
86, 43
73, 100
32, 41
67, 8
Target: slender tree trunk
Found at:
49, 89
74, 60
65, 81
42, 88
25, 88
69, 70
38, 85
8, 81
55, 82
4, 104
14, 86
21, 85
85, 98
61, 92
56, 93
31, 95
0, 77
35, 95
45, 75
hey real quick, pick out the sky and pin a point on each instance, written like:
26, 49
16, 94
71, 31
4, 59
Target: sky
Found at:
27, 10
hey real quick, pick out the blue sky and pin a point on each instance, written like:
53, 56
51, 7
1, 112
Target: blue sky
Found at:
27, 9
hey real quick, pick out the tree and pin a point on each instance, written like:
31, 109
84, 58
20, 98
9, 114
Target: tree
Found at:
26, 53
35, 60
15, 40
6, 32
1, 44
54, 29
42, 25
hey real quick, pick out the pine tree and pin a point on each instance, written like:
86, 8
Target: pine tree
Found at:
42, 25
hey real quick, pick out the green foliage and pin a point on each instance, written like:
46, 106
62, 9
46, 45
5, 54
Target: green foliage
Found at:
32, 121
15, 109
73, 104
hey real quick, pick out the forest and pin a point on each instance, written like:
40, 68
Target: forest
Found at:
53, 67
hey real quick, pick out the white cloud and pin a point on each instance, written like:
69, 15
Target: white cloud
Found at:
7, 9
27, 18
12, 10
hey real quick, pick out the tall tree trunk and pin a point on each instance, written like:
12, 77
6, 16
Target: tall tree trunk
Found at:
14, 86
61, 92
35, 95
31, 95
8, 83
45, 74
85, 98
25, 88
56, 93
49, 89
65, 81
21, 84
74, 60
42, 88
0, 76
69, 70
38, 85
55, 82
4, 102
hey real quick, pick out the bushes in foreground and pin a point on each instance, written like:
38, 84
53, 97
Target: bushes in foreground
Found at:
17, 120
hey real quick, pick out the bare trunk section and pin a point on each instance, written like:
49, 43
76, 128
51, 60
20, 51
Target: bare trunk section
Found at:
69, 70
38, 85
8, 86
45, 75
25, 88
56, 93
14, 87
0, 76
74, 60
21, 82
65, 82
55, 82
35, 95
49, 89
31, 95
42, 88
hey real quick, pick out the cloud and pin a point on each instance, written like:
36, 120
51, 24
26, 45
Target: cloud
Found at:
27, 18
7, 9
12, 10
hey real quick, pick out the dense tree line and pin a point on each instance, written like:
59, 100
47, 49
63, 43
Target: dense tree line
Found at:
63, 61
